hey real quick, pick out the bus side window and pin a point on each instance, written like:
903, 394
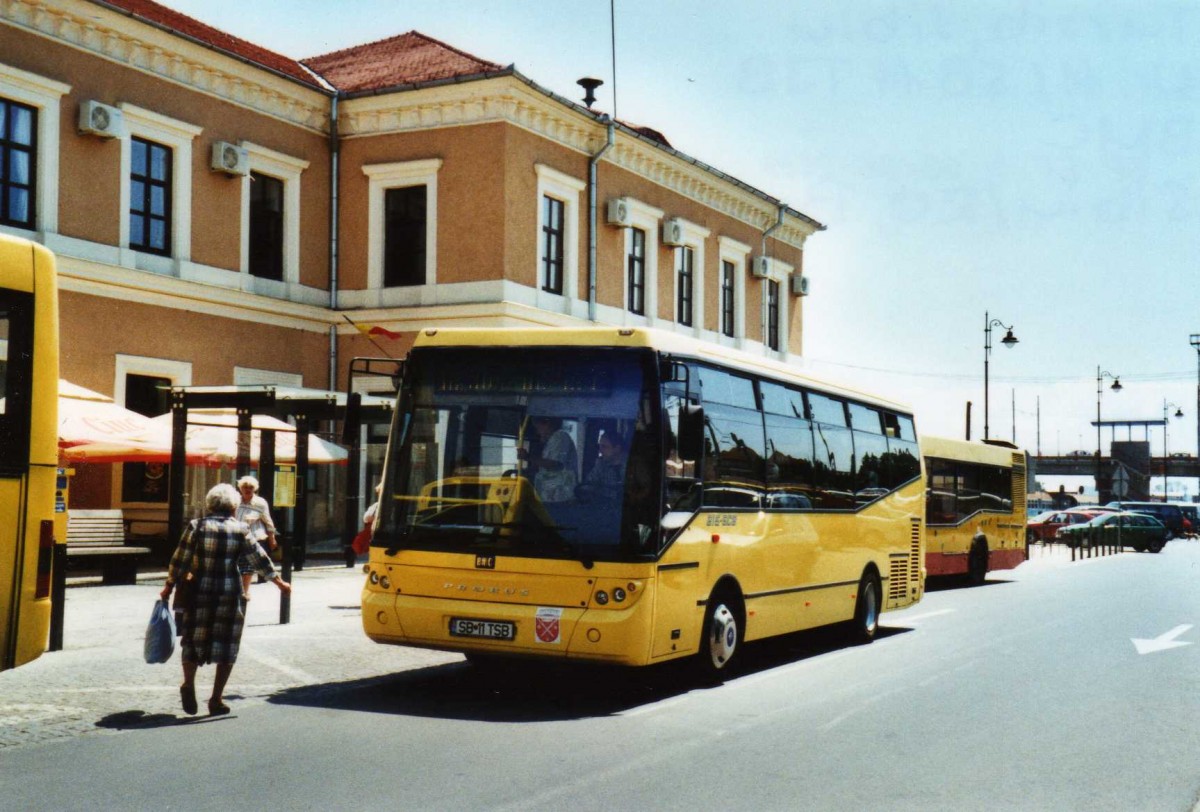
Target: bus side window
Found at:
679, 474
789, 449
733, 455
833, 454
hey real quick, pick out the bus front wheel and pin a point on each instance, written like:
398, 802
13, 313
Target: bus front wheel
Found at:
866, 609
722, 635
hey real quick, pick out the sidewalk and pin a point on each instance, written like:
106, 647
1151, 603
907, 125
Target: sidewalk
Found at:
100, 678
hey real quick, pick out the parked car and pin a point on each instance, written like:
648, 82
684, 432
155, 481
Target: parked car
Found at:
1045, 526
1125, 529
1167, 513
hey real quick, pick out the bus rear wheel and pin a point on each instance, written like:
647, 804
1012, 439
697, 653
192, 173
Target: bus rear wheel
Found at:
866, 609
721, 635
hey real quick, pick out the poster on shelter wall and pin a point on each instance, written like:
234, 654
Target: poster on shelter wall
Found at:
285, 486
145, 481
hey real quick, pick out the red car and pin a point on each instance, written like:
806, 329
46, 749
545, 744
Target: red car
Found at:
1043, 527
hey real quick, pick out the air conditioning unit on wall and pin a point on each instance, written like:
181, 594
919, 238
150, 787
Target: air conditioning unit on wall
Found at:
799, 285
620, 213
230, 158
672, 231
762, 267
96, 118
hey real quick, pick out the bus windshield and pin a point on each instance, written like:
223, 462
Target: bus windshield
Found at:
538, 452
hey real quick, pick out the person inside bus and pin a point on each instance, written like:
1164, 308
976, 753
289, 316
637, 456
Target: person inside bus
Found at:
210, 556
553, 462
606, 479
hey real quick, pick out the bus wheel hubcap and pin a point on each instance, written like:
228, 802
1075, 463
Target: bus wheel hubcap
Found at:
722, 636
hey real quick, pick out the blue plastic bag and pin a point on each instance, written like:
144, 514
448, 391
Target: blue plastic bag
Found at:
160, 634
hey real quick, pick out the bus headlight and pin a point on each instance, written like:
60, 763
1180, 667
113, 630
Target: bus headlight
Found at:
385, 582
618, 594
374, 579
602, 597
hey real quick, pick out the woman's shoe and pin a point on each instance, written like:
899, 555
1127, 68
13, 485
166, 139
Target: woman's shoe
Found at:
187, 693
217, 708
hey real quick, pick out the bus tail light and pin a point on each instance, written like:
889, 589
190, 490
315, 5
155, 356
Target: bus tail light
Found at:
45, 561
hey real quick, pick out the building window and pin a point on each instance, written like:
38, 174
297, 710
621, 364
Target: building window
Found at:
685, 259
266, 226
402, 230
148, 395
728, 277
637, 271
18, 152
404, 221
773, 314
552, 244
150, 197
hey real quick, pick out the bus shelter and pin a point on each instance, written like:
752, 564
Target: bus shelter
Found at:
254, 407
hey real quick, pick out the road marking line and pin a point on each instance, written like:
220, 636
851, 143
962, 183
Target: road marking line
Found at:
925, 616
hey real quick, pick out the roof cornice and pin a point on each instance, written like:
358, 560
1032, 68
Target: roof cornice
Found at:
511, 98
102, 30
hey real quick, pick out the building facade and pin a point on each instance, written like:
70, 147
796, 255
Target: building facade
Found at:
226, 215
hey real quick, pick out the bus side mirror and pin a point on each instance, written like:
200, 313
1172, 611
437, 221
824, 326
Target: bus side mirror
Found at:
691, 432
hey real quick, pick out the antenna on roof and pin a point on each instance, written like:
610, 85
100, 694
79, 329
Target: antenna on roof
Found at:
612, 27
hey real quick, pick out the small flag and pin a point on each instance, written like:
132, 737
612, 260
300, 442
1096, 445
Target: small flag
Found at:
376, 330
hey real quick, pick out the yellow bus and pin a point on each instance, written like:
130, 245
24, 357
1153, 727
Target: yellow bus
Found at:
631, 496
28, 446
975, 508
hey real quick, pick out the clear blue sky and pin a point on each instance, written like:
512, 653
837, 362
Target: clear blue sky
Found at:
1038, 160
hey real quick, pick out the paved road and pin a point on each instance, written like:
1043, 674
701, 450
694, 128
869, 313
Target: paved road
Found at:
1026, 693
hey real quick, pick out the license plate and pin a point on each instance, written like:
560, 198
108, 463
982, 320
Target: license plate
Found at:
489, 629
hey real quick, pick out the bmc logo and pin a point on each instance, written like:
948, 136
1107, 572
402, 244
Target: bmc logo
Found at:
485, 562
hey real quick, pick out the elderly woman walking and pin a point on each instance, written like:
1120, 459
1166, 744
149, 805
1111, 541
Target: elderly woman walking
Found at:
210, 556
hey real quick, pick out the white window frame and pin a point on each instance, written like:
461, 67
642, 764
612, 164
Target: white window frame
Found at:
780, 272
737, 253
380, 178
287, 169
178, 135
647, 218
45, 95
567, 190
694, 237
249, 376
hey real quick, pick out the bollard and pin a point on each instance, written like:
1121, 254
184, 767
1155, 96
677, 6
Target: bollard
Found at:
58, 596
285, 600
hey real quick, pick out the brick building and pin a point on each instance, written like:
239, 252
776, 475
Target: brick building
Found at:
224, 214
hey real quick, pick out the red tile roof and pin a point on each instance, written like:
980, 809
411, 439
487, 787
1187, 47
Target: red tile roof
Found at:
206, 34
407, 59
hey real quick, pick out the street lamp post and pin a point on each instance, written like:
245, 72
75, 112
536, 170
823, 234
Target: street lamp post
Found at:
1195, 341
1166, 454
1009, 341
1116, 387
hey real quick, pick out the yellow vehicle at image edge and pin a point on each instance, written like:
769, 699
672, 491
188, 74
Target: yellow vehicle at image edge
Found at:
741, 501
28, 446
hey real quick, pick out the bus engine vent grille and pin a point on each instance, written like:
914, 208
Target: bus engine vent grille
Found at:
914, 552
1018, 484
898, 582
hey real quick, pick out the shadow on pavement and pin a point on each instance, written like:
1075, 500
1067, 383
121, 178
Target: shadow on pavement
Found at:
140, 720
513, 690
945, 583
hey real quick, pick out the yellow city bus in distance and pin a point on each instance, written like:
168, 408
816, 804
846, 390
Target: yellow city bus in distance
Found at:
632, 496
975, 508
28, 445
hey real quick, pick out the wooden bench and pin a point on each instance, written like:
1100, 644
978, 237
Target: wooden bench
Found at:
97, 538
